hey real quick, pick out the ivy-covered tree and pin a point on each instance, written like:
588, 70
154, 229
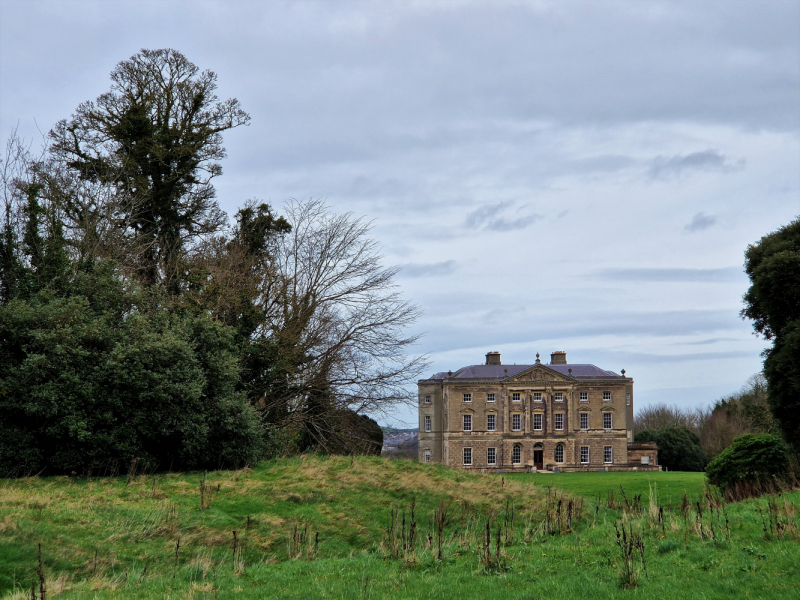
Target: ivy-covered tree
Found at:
773, 303
152, 143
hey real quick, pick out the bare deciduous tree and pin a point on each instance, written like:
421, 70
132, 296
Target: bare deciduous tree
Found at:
656, 416
338, 324
744, 412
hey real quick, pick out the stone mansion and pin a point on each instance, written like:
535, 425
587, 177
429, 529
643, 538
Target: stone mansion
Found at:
556, 416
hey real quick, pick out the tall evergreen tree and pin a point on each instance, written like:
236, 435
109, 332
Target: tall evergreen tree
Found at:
773, 302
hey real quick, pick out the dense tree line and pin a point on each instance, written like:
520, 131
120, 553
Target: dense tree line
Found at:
138, 322
714, 427
769, 403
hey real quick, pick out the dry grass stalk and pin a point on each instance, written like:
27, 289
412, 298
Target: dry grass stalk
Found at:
629, 543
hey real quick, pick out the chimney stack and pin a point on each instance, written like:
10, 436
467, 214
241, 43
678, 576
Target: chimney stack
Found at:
559, 357
492, 358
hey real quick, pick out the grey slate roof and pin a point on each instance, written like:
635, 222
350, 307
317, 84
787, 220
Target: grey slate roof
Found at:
503, 371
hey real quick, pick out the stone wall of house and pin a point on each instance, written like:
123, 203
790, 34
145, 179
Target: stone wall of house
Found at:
637, 450
556, 399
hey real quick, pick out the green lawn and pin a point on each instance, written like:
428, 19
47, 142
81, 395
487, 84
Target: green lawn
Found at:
669, 486
114, 538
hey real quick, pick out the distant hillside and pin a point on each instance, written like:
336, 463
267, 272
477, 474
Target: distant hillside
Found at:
401, 443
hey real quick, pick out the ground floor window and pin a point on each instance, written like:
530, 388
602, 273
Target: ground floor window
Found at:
467, 456
516, 454
559, 453
491, 456
608, 454
537, 421
584, 455
427, 456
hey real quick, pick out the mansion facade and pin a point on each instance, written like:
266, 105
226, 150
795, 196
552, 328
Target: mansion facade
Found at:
556, 416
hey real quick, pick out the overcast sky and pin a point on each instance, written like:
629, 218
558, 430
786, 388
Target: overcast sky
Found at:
579, 176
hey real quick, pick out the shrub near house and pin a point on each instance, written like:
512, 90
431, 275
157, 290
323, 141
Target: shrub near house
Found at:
752, 465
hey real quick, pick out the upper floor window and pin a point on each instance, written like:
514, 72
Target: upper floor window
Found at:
427, 399
559, 454
584, 421
628, 399
606, 420
516, 422
584, 455
491, 456
490, 422
427, 422
606, 396
537, 396
537, 421
490, 397
467, 422
515, 397
559, 421
516, 454
427, 456
584, 396
467, 397
608, 454
559, 396
467, 456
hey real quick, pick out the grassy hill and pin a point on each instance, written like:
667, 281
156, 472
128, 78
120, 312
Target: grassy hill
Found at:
322, 528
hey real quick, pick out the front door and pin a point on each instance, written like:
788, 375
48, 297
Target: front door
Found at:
538, 459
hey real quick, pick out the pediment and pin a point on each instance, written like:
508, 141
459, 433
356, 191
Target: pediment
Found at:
538, 373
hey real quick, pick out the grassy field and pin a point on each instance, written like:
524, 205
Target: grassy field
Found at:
669, 487
317, 528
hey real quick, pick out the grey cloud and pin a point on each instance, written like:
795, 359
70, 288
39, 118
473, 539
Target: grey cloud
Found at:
700, 222
663, 167
412, 270
721, 275
493, 218
608, 163
645, 358
448, 332
707, 341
